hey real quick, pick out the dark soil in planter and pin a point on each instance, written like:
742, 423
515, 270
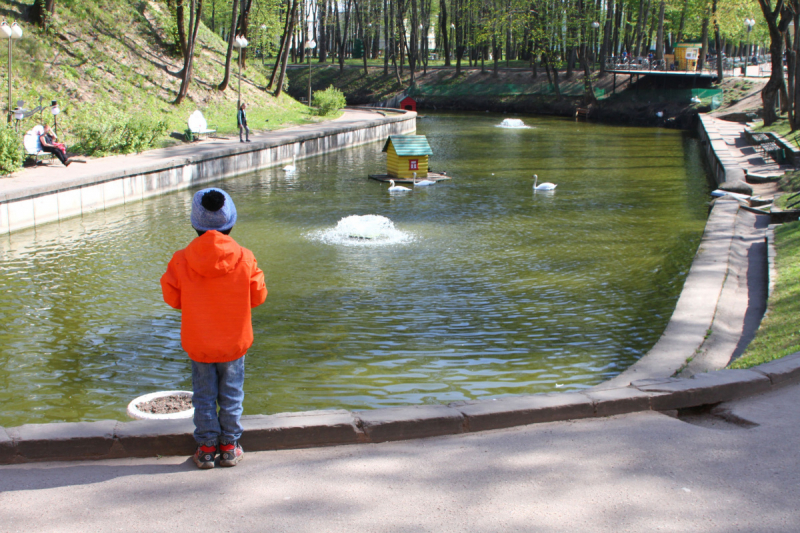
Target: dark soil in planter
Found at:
166, 405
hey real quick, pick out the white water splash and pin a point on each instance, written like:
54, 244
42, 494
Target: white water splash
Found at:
362, 230
512, 123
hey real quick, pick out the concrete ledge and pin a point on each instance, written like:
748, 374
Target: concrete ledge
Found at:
518, 411
7, 448
299, 430
151, 438
145, 438
611, 402
59, 441
782, 371
703, 389
414, 422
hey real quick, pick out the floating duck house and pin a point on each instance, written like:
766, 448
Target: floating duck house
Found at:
406, 154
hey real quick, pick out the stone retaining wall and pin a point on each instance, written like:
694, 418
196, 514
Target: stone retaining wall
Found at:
34, 206
722, 168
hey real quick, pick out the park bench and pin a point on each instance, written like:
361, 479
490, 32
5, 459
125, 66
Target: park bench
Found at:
198, 125
33, 145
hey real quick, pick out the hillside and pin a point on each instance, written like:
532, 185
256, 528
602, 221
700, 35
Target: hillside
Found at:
111, 61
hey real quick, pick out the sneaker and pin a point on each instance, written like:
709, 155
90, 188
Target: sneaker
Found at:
68, 162
248, 140
204, 456
230, 454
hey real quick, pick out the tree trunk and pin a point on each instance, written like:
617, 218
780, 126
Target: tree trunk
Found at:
194, 24
445, 29
660, 33
701, 60
42, 11
282, 47
718, 42
285, 60
224, 84
777, 21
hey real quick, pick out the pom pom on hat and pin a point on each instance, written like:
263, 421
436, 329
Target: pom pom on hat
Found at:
213, 209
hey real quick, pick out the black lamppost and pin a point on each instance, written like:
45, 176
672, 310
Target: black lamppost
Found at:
595, 25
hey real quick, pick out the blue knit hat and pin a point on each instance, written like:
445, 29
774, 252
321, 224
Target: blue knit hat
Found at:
212, 212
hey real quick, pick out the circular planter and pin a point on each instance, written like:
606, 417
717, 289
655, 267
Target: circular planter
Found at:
135, 412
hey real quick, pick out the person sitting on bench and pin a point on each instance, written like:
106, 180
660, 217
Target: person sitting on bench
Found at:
50, 144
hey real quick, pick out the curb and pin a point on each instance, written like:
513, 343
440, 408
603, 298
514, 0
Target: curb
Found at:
108, 439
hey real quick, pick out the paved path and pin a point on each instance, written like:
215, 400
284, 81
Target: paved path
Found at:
49, 175
639, 472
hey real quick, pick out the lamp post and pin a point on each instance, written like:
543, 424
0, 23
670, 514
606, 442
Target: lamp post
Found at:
240, 42
748, 24
595, 25
310, 45
55, 111
10, 33
263, 44
452, 39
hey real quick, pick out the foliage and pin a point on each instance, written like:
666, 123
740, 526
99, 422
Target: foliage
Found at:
778, 334
188, 136
11, 152
108, 130
329, 100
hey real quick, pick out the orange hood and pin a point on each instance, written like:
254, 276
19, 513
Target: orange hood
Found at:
213, 254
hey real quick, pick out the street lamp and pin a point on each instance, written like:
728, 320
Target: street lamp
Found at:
240, 42
452, 38
10, 33
263, 44
595, 25
310, 45
748, 24
55, 111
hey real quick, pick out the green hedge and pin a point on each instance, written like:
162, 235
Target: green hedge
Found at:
11, 153
329, 100
102, 131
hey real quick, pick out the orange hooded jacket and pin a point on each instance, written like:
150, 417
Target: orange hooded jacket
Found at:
215, 282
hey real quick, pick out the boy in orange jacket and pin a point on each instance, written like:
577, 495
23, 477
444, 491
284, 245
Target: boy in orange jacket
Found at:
215, 282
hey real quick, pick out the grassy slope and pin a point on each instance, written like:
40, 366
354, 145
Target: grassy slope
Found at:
96, 59
778, 334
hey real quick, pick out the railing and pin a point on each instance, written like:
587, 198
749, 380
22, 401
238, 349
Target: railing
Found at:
729, 64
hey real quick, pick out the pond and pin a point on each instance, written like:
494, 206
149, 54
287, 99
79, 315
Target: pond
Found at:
486, 289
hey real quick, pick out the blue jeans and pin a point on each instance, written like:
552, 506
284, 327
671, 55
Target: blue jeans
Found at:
215, 383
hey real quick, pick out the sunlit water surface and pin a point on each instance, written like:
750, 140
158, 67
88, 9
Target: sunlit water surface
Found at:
473, 288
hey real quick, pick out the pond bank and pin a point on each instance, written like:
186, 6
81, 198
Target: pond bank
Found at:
48, 193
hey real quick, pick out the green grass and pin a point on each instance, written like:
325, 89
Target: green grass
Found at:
100, 55
779, 333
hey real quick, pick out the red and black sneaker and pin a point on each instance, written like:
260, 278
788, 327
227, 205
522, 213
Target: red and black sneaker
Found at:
204, 456
230, 454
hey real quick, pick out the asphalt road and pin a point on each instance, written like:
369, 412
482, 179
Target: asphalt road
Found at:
638, 472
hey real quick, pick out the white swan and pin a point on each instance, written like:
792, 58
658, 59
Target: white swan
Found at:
292, 167
397, 188
546, 186
423, 183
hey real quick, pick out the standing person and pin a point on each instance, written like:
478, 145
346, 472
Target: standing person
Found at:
241, 119
215, 283
50, 144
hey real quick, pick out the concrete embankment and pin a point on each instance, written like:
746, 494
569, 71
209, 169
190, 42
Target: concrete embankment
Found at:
50, 193
647, 386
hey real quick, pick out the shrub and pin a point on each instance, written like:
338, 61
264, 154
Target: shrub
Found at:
329, 100
107, 130
11, 153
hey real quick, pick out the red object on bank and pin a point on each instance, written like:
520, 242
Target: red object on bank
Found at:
409, 104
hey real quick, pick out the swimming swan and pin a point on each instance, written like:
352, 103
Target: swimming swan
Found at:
546, 186
397, 188
423, 183
292, 167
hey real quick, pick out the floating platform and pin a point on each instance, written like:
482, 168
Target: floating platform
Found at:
433, 176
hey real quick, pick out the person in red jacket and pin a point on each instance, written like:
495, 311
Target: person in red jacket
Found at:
215, 283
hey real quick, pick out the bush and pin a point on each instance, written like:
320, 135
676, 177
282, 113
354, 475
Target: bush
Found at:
11, 153
329, 100
107, 130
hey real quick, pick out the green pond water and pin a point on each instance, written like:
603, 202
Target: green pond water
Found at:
483, 289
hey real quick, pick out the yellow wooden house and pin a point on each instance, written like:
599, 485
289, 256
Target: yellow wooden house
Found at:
406, 154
